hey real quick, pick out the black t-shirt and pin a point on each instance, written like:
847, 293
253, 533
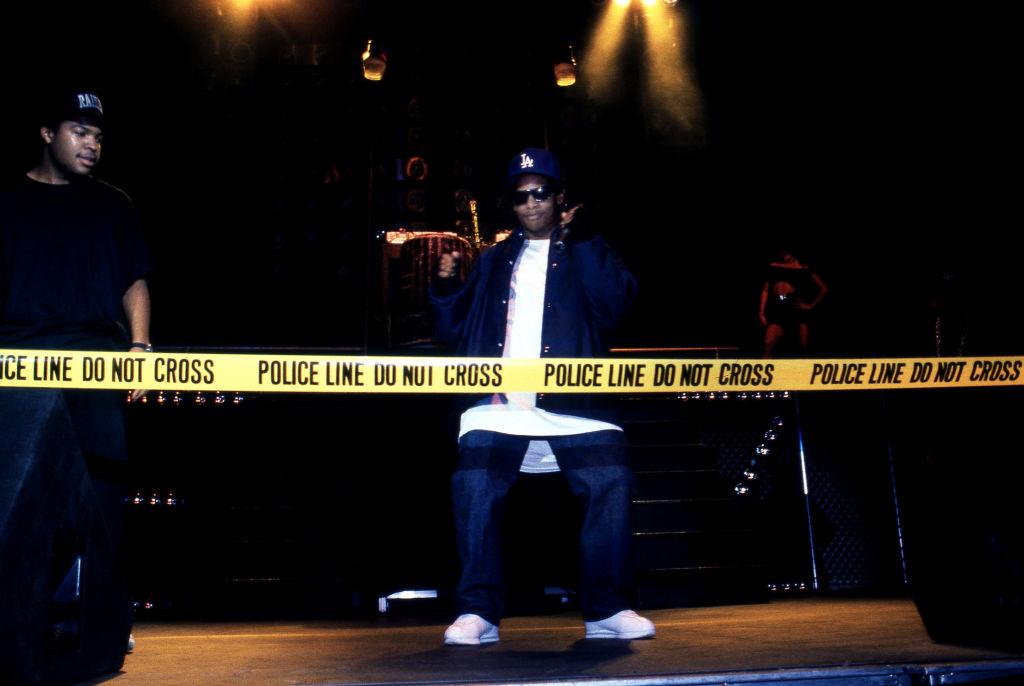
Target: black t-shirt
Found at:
68, 253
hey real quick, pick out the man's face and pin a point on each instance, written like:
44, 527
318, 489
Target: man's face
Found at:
74, 147
538, 217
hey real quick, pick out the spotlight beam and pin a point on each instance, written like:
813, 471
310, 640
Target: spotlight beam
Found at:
670, 85
601, 63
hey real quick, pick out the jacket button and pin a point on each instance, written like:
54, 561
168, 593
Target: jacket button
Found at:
501, 345
554, 265
548, 304
504, 301
539, 396
547, 348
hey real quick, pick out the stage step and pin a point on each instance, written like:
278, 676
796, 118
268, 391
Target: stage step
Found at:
642, 432
672, 456
696, 585
676, 514
702, 548
645, 407
677, 483
695, 541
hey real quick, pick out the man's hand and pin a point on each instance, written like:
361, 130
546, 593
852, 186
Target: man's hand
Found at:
568, 214
139, 393
449, 265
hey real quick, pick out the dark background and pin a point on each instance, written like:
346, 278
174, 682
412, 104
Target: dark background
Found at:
873, 140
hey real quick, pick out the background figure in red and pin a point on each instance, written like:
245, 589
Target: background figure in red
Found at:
791, 292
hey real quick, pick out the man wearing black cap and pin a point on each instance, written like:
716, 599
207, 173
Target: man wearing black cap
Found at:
73, 265
72, 258
550, 290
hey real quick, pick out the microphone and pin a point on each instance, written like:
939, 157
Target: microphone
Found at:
562, 232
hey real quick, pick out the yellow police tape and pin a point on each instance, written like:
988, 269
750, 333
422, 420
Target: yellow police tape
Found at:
354, 374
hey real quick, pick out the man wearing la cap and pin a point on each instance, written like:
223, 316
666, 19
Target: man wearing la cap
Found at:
73, 269
550, 290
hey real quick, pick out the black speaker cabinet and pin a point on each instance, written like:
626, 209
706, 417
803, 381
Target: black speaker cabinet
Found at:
960, 463
64, 613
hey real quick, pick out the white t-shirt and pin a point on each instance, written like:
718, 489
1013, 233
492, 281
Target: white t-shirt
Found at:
520, 416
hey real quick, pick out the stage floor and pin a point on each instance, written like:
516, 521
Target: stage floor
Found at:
785, 641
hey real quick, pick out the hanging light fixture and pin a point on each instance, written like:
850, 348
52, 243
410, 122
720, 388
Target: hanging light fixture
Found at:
565, 70
374, 62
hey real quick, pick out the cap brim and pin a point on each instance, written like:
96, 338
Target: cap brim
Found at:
89, 116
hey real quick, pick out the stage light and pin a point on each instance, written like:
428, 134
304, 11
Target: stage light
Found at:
671, 87
374, 62
674, 101
128, 398
601, 62
238, 14
412, 595
565, 70
384, 602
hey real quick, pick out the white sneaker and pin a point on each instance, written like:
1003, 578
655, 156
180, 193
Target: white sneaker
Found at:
626, 625
470, 630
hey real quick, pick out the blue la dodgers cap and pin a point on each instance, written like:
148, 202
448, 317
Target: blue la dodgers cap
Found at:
534, 161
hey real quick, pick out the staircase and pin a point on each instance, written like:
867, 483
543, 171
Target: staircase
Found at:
696, 540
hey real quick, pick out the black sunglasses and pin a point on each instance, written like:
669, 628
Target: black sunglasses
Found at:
540, 194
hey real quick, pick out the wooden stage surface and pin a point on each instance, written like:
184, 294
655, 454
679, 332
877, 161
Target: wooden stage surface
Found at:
806, 641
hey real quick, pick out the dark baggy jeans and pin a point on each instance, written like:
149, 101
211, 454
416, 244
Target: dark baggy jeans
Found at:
595, 467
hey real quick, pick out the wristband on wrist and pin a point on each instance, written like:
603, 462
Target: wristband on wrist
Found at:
148, 347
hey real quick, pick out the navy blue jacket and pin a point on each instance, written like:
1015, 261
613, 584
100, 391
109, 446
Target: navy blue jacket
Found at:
587, 293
